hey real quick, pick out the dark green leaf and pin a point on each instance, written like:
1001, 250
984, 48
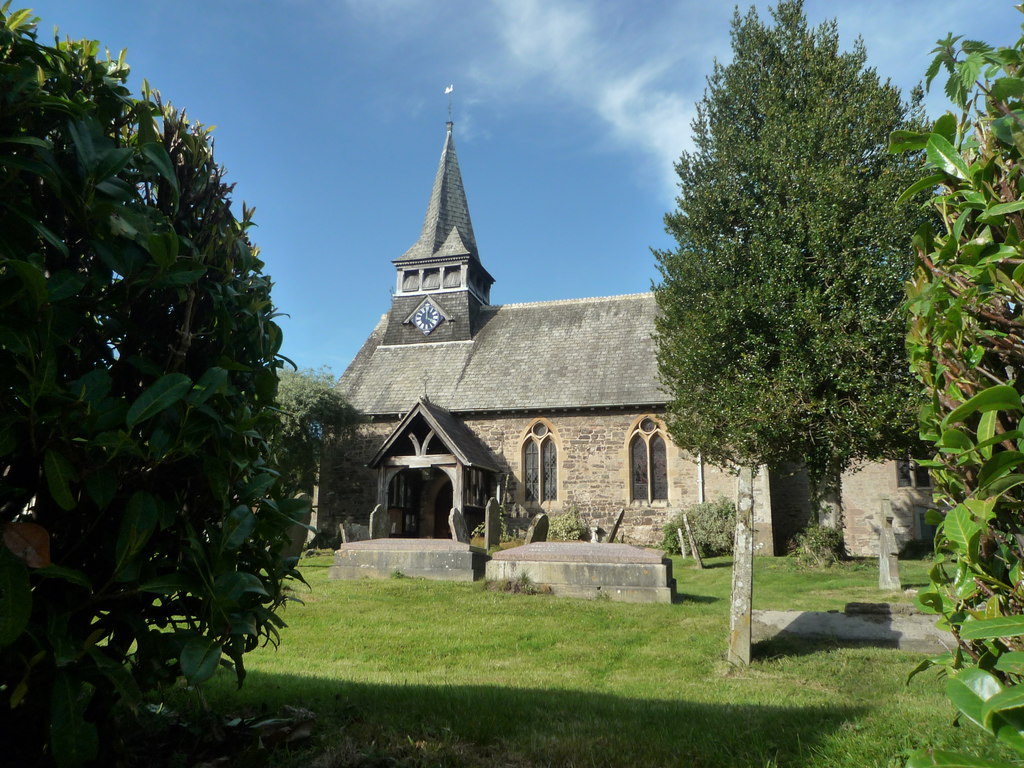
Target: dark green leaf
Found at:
15, 597
157, 155
137, 526
231, 586
165, 392
59, 474
72, 739
101, 485
199, 659
69, 575
238, 526
210, 383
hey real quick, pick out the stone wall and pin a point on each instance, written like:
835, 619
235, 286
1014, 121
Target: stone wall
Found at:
864, 487
593, 477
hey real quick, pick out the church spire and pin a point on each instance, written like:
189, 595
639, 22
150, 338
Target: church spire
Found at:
447, 230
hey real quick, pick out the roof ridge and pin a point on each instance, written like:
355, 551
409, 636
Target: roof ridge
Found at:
585, 300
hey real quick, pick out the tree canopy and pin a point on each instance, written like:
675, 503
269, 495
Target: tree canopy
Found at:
142, 523
780, 336
312, 413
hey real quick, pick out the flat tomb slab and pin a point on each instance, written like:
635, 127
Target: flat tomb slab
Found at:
578, 569
438, 559
887, 626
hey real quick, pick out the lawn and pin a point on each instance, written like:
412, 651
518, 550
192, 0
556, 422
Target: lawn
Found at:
404, 672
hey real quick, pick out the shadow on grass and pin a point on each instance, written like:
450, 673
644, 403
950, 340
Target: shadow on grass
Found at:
487, 725
684, 598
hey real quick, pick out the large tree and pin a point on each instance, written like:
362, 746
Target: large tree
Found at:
780, 337
312, 413
142, 522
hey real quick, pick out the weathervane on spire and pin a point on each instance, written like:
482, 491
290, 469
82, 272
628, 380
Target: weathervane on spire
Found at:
448, 92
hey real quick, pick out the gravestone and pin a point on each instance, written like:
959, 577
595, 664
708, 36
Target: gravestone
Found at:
742, 571
380, 523
457, 525
615, 528
888, 550
693, 542
538, 530
492, 524
684, 550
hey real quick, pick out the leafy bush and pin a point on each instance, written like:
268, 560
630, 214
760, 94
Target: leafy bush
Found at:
966, 343
568, 526
817, 546
713, 524
141, 521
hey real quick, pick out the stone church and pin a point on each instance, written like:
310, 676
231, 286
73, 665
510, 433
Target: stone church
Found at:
546, 405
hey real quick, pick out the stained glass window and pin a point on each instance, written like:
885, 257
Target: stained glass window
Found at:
648, 463
531, 471
659, 469
638, 465
540, 464
550, 470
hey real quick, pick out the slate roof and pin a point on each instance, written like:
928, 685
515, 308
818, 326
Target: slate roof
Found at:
447, 221
579, 353
453, 434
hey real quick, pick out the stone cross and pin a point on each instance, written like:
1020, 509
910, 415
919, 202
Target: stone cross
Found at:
380, 523
615, 528
538, 530
458, 527
742, 571
492, 524
888, 550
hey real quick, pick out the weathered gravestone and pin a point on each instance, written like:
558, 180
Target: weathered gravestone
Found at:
492, 524
538, 530
458, 527
615, 528
888, 550
683, 549
380, 523
742, 571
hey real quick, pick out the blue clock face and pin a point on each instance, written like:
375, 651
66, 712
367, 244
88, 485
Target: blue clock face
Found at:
426, 318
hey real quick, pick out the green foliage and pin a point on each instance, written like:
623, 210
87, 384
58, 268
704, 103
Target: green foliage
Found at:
713, 524
817, 546
779, 336
312, 413
568, 526
966, 342
141, 522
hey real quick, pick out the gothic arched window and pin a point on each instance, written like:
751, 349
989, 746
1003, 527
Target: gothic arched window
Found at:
540, 464
648, 463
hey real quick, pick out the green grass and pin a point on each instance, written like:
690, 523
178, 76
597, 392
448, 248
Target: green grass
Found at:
405, 672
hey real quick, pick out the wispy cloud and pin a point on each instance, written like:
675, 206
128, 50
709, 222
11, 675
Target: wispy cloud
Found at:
569, 49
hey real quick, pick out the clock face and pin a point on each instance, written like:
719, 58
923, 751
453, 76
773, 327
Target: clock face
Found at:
426, 318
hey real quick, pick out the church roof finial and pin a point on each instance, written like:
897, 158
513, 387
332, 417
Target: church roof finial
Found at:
447, 210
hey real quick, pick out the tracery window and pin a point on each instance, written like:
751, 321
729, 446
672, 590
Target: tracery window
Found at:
540, 464
910, 474
648, 463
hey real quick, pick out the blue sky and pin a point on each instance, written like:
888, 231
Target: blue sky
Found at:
568, 116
